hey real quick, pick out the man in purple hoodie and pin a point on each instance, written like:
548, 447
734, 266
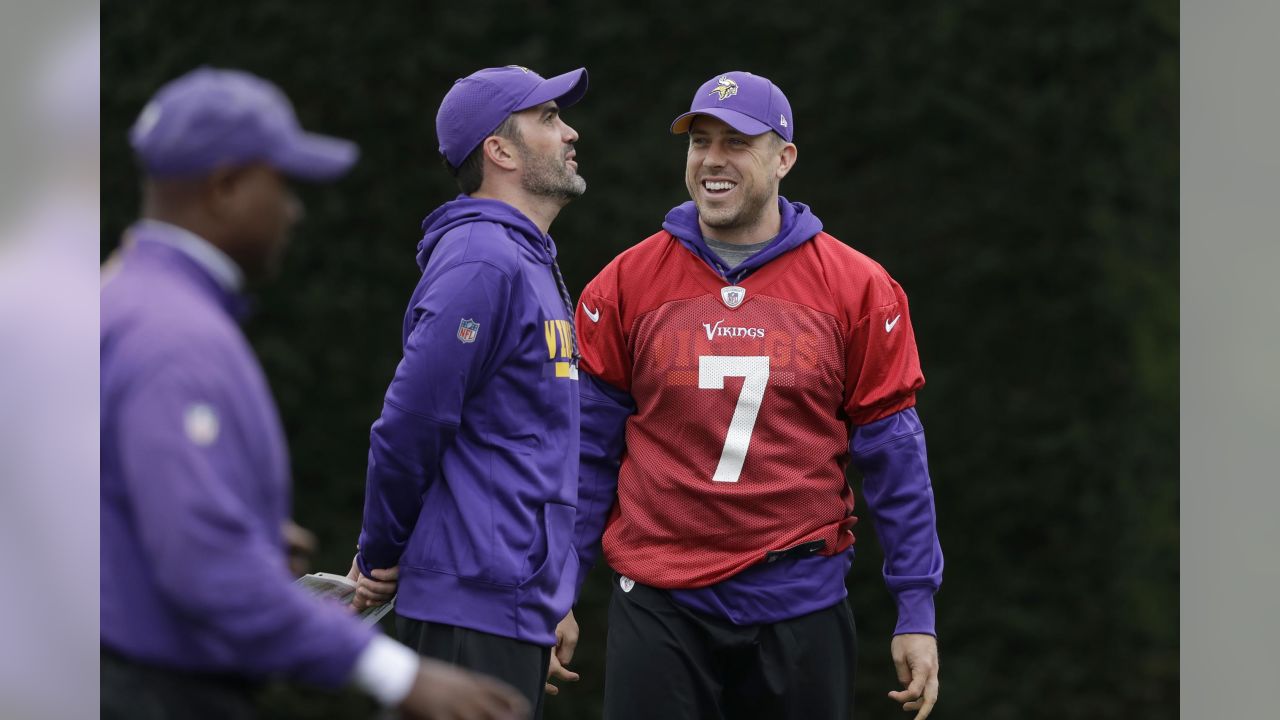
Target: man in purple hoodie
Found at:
472, 482
734, 364
197, 605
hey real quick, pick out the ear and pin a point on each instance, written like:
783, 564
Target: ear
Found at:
786, 159
219, 189
500, 152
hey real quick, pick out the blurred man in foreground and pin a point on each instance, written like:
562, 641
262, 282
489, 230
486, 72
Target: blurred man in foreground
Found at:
197, 603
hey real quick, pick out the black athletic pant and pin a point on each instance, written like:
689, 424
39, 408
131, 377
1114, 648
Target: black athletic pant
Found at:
666, 662
521, 665
133, 691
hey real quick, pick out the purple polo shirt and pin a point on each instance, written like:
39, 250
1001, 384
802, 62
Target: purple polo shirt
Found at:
195, 484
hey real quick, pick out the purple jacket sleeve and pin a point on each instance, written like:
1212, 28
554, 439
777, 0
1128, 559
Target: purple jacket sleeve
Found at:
208, 523
605, 410
890, 453
443, 361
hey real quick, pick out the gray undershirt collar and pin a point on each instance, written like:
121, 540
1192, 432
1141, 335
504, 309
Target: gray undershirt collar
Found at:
734, 255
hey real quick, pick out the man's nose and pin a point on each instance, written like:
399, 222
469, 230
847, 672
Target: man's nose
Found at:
714, 156
568, 133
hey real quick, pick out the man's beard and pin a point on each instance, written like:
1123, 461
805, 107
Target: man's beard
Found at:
549, 176
747, 215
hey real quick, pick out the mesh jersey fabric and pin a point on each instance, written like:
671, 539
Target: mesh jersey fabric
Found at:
739, 442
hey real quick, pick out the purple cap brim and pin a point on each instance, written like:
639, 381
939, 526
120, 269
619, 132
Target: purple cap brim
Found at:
315, 157
742, 123
565, 89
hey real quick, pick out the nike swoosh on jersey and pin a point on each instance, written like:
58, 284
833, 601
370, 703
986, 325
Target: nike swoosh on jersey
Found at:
888, 326
595, 316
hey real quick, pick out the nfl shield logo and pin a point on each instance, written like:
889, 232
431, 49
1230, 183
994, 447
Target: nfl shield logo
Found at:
467, 330
733, 295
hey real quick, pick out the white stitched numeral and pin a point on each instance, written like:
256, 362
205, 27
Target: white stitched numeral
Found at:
712, 370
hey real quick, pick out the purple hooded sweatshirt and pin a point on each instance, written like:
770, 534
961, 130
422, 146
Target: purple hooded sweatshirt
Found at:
195, 486
473, 464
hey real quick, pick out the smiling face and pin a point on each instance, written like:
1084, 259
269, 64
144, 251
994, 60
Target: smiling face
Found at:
733, 178
545, 146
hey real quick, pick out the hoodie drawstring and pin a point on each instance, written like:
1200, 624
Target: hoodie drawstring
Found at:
568, 306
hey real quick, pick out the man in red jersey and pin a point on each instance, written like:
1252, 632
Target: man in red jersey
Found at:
735, 363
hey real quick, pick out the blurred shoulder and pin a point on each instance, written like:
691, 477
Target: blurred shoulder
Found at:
157, 319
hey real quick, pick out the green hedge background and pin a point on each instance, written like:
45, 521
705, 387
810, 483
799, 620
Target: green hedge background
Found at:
1013, 164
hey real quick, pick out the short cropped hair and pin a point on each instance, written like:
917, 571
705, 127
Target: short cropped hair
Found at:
470, 174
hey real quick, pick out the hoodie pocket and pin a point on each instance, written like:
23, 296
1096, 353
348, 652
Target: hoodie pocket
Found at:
547, 558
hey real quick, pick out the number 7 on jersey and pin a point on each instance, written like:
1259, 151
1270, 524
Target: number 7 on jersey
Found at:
712, 370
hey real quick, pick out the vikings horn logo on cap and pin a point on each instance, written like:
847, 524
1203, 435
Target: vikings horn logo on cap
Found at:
725, 88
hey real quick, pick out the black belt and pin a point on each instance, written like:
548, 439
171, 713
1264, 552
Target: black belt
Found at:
804, 549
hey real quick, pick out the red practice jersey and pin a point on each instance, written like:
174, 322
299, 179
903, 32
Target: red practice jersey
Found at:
744, 398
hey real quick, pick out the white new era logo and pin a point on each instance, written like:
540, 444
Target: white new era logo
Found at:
783, 120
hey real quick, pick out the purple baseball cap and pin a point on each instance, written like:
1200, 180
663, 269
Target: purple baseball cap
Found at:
749, 103
211, 118
477, 104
